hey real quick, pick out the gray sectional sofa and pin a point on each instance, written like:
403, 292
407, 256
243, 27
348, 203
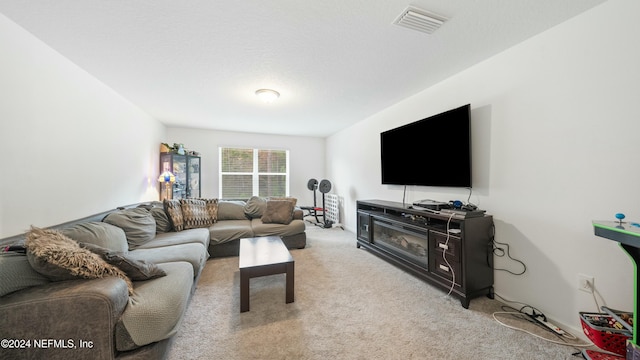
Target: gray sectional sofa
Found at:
46, 313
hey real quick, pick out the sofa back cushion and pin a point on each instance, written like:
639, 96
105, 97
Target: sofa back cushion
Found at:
17, 273
100, 234
231, 210
255, 206
138, 224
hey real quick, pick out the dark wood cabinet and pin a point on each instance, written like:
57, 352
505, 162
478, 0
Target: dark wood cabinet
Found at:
449, 251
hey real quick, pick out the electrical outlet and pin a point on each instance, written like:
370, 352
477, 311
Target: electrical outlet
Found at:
585, 283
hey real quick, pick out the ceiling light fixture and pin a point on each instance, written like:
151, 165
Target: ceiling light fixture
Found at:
267, 95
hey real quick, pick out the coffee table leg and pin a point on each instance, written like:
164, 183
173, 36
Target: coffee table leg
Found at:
290, 281
244, 292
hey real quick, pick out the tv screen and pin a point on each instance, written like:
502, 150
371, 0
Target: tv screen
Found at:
435, 151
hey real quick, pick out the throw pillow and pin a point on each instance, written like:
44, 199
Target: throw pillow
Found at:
254, 208
293, 200
195, 214
17, 273
99, 233
174, 212
138, 225
136, 270
212, 208
58, 258
278, 212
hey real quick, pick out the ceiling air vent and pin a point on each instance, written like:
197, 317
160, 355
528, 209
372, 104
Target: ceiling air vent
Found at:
420, 20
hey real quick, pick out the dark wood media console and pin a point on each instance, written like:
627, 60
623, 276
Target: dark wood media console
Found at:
438, 248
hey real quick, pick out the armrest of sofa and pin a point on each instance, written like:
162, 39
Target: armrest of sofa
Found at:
63, 320
298, 214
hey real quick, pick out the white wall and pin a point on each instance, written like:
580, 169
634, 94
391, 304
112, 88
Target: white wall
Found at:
72, 147
307, 156
556, 133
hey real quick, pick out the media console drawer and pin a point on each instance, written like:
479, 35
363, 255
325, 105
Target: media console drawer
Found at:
447, 270
442, 244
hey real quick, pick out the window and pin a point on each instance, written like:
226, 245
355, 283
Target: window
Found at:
253, 172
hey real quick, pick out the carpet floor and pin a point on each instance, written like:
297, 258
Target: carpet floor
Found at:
349, 304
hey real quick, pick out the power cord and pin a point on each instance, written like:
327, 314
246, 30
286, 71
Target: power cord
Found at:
593, 291
501, 252
444, 255
529, 314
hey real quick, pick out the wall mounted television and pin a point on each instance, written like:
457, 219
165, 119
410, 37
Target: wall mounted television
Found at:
435, 151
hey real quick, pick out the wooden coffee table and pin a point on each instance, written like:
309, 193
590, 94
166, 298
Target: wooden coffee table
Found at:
262, 256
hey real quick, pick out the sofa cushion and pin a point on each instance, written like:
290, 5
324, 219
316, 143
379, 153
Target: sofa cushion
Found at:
278, 211
193, 253
255, 206
156, 208
17, 273
200, 236
223, 231
195, 214
151, 317
98, 233
58, 257
136, 270
231, 210
273, 229
174, 211
163, 224
138, 224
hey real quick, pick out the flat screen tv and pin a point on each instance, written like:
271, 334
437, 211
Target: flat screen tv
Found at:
435, 151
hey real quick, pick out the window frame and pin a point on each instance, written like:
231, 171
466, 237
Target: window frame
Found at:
255, 173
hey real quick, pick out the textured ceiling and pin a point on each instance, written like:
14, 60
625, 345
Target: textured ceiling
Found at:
335, 62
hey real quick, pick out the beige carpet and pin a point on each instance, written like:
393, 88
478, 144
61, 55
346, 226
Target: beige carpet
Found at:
349, 304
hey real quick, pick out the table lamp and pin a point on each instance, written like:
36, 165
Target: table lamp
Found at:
167, 178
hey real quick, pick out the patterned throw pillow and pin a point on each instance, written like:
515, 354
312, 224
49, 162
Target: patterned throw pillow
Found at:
58, 258
174, 211
212, 208
195, 214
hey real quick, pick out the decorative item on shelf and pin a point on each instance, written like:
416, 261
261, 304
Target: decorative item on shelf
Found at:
167, 178
165, 148
176, 148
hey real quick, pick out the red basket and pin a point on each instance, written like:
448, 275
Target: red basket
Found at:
597, 327
597, 355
